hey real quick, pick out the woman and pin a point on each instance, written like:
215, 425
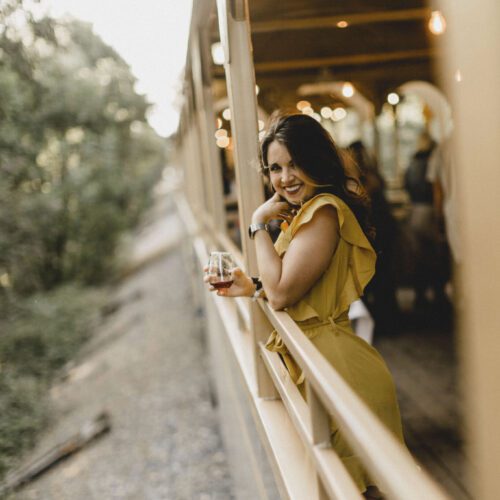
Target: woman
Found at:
319, 265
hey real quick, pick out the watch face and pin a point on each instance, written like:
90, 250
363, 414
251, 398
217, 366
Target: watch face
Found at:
253, 228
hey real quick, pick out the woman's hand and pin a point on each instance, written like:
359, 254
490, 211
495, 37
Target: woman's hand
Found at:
242, 286
274, 208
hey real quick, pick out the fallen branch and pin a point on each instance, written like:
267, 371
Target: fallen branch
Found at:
89, 431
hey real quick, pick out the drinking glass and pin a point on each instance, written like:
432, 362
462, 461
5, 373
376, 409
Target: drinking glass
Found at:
219, 269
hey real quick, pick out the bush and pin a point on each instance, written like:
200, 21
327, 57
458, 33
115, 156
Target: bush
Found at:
38, 337
24, 414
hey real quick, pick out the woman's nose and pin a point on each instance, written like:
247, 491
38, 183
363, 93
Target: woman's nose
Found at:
286, 175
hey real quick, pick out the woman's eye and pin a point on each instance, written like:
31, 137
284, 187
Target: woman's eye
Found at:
274, 169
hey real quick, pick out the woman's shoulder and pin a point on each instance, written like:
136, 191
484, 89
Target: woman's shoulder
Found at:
310, 207
349, 228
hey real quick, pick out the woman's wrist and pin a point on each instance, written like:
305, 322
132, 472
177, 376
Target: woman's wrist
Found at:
259, 218
252, 288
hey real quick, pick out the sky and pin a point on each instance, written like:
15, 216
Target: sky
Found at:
151, 35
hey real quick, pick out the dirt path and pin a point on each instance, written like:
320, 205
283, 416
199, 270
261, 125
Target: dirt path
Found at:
148, 368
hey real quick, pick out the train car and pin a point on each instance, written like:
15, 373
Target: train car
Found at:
385, 74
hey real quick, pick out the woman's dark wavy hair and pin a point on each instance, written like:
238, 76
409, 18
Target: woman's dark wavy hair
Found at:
313, 151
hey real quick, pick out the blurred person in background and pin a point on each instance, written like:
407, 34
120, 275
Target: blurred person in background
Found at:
430, 271
441, 174
380, 294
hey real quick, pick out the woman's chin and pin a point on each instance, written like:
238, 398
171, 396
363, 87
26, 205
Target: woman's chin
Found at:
295, 198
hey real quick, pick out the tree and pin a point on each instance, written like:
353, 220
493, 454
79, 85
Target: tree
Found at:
77, 157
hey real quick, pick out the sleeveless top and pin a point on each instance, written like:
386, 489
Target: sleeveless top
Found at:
351, 268
327, 303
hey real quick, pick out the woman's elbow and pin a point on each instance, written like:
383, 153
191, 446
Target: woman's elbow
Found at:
278, 301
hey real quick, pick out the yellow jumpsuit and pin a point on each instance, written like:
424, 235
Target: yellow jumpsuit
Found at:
322, 316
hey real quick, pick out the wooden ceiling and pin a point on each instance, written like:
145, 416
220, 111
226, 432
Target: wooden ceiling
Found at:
385, 44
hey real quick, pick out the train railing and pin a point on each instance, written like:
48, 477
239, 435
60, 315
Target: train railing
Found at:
308, 430
295, 431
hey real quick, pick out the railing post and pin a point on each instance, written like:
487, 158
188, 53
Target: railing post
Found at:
320, 429
194, 179
234, 30
210, 159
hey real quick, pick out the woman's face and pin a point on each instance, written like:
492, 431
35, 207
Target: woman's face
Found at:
287, 179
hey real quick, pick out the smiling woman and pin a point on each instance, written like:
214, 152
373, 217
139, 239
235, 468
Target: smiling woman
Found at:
299, 145
286, 179
318, 266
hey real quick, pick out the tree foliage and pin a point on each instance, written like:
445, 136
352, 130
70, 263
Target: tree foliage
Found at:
77, 157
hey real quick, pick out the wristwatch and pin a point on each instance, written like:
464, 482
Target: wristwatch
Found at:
253, 228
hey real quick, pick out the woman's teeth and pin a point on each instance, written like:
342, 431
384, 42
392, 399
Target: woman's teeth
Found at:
292, 189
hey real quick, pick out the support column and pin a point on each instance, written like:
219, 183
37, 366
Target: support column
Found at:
234, 28
206, 122
473, 45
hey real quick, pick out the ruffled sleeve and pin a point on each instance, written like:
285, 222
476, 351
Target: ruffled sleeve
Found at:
362, 255
326, 304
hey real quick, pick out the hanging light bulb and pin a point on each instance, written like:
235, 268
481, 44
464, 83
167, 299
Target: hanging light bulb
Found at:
393, 98
217, 53
226, 114
326, 112
222, 142
303, 104
458, 76
437, 23
347, 89
220, 133
338, 114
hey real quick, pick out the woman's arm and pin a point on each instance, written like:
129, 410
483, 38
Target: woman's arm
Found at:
287, 280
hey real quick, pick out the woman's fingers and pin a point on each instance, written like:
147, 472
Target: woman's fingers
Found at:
237, 272
287, 216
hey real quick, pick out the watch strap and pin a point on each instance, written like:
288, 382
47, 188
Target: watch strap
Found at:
257, 283
253, 228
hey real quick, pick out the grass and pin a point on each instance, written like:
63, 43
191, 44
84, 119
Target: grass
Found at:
38, 336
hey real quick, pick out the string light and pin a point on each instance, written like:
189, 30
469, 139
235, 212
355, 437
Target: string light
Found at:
342, 24
326, 112
226, 114
217, 53
223, 142
437, 23
303, 104
347, 89
222, 132
393, 98
338, 114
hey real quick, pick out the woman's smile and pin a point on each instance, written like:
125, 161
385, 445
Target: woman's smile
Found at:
288, 180
292, 189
